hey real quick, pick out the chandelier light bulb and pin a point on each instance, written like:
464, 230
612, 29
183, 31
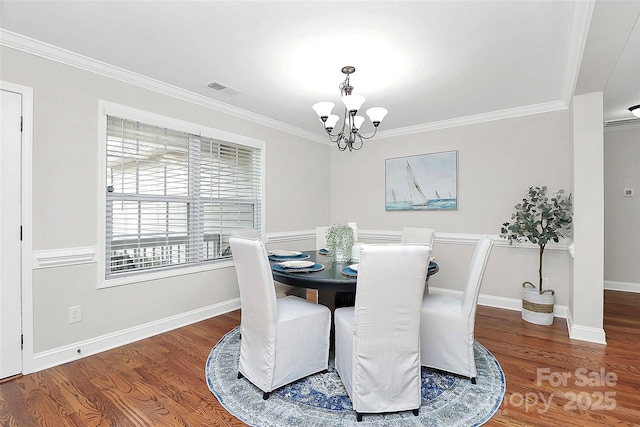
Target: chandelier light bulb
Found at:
353, 102
331, 122
323, 109
376, 115
357, 122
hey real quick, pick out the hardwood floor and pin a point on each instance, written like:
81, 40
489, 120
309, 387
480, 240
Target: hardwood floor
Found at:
551, 380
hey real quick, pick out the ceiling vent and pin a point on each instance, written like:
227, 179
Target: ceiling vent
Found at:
222, 88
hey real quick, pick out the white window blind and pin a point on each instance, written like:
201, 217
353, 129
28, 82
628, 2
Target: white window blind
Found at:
173, 198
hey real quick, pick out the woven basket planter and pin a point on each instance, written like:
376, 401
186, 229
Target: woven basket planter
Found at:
537, 308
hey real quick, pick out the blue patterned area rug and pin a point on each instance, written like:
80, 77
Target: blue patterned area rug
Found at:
321, 399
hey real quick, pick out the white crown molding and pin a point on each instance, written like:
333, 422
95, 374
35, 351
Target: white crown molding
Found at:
475, 119
578, 32
622, 124
80, 349
44, 50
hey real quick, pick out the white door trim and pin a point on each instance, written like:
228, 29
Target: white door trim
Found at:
26, 218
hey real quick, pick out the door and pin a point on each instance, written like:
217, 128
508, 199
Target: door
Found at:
10, 234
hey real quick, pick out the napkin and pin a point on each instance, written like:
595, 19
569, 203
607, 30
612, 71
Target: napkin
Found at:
296, 264
282, 252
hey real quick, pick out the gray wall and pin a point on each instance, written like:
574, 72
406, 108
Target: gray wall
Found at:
622, 228
307, 184
65, 196
497, 162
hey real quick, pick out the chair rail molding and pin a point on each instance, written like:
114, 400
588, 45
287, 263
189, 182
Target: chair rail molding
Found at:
64, 257
49, 258
386, 236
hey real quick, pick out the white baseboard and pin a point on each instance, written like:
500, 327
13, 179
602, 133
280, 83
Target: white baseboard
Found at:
622, 286
513, 304
78, 350
584, 333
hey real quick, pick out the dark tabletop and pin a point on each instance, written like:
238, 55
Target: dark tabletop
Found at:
331, 278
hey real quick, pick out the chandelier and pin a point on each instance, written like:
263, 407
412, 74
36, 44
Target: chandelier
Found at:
349, 135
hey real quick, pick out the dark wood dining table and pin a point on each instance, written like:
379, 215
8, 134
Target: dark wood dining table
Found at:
330, 278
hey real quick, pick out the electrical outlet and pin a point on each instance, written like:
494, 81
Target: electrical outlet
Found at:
75, 314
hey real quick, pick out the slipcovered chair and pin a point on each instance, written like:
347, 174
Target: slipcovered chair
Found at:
321, 237
250, 233
448, 323
282, 290
283, 339
378, 341
418, 235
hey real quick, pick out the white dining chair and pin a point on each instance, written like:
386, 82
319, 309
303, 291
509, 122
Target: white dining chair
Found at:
354, 227
448, 323
283, 339
377, 348
418, 235
282, 290
321, 237
250, 233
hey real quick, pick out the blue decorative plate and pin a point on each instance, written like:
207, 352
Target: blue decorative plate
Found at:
312, 269
323, 251
347, 271
288, 257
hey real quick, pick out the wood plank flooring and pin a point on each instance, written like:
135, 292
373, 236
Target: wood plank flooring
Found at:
159, 381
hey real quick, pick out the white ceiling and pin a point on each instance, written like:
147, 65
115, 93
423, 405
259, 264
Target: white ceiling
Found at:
429, 62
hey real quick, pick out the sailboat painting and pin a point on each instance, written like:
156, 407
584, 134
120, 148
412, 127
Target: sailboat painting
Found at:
420, 182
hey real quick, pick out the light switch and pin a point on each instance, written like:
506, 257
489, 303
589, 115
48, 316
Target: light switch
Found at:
628, 192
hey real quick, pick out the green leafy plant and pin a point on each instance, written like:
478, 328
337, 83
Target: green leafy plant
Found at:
540, 219
339, 240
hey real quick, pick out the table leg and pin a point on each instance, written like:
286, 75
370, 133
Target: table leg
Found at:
312, 295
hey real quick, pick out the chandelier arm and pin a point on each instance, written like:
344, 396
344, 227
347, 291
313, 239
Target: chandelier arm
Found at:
342, 143
368, 137
357, 147
337, 137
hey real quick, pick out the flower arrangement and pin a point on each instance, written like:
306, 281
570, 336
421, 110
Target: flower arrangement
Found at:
340, 241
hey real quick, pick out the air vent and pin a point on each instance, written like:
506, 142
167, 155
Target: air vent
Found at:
222, 88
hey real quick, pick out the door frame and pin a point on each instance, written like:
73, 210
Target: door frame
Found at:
26, 220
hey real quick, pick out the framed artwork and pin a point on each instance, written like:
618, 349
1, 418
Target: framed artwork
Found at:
423, 182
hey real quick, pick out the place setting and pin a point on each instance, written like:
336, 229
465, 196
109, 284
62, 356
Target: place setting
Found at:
293, 262
350, 270
281, 255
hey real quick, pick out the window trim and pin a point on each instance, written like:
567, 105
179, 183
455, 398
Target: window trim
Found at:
106, 108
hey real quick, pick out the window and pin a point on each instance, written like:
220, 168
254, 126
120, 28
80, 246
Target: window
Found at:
174, 197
